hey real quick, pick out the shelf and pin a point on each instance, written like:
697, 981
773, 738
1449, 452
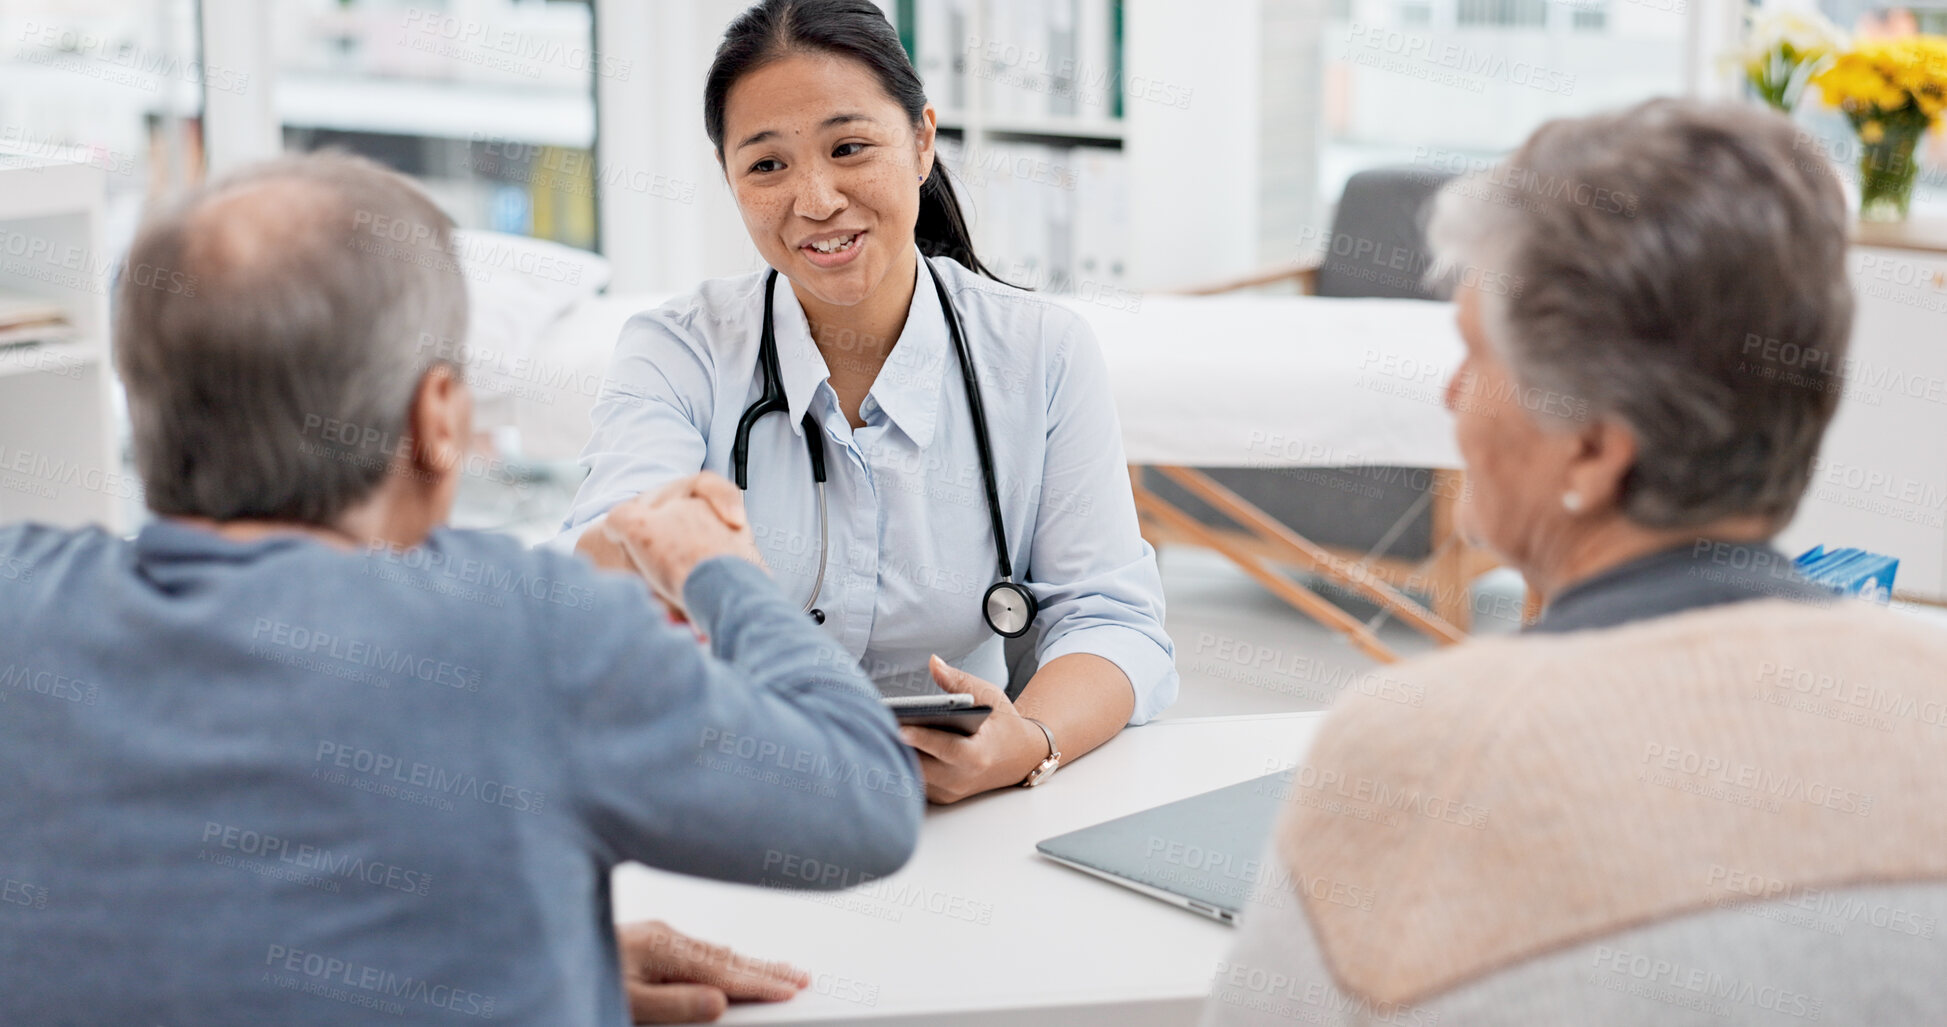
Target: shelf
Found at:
1088, 131
40, 186
1928, 235
441, 110
62, 359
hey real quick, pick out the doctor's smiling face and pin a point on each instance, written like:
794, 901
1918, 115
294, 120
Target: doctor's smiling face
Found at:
826, 170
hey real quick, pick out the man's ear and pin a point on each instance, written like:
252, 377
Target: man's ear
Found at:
1606, 450
441, 421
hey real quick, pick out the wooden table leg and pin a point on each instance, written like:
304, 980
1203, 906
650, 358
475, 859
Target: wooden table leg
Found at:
1306, 601
1310, 555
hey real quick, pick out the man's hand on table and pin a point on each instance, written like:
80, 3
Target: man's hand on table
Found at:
688, 521
998, 755
673, 978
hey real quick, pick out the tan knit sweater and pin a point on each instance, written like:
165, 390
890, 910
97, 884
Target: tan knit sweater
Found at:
1513, 796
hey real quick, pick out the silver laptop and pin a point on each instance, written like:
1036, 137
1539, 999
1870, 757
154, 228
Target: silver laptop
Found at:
1202, 853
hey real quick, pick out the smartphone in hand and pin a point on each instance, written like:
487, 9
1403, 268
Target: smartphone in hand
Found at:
951, 711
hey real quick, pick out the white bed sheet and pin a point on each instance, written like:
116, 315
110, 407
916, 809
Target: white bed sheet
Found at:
1259, 381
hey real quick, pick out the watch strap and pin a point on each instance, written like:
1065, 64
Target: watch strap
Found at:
1046, 768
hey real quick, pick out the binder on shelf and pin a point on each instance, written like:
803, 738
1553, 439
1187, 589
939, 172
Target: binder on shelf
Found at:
1045, 211
955, 32
1100, 235
1063, 59
934, 52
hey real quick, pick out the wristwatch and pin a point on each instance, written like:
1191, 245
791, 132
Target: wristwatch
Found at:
1046, 768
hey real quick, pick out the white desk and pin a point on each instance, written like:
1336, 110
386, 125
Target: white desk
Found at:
1016, 939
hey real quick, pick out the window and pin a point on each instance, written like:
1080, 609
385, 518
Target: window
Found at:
1835, 133
488, 103
1470, 82
1502, 13
1589, 17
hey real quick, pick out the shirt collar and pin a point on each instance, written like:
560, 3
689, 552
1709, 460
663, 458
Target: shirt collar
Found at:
908, 386
1685, 577
174, 554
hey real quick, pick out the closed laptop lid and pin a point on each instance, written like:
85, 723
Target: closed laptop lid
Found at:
1207, 849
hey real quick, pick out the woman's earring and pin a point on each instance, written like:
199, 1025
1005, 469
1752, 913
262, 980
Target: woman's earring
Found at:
1572, 501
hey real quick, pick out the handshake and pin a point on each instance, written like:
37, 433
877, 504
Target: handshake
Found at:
665, 535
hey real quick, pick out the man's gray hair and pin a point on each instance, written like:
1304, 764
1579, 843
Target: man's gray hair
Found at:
273, 378
1679, 267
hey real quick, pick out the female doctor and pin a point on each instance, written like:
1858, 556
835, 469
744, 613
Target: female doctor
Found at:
930, 459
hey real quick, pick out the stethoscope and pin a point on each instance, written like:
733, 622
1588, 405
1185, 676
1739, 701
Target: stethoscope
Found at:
1008, 606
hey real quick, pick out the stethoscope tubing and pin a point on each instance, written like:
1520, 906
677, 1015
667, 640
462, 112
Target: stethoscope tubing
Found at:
771, 399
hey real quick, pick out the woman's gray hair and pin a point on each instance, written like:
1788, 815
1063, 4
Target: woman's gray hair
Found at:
1681, 268
278, 331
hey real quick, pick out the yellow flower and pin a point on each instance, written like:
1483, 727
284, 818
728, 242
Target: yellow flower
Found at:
1871, 132
1883, 76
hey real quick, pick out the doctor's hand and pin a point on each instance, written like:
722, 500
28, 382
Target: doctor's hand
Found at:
665, 535
998, 755
673, 978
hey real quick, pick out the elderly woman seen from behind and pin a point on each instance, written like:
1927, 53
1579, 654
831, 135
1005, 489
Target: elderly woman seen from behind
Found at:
1630, 813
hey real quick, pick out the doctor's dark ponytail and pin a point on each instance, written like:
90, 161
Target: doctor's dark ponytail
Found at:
856, 29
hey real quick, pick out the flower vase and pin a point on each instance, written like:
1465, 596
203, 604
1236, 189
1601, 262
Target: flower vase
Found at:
1886, 169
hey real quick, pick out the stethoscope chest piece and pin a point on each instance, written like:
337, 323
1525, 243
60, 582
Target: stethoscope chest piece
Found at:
1010, 609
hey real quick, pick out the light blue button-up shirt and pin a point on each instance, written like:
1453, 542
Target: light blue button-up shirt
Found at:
911, 549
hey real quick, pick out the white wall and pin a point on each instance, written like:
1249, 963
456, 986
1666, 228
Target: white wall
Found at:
659, 243
1193, 169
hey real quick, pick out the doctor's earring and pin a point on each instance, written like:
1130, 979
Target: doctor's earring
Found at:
1572, 501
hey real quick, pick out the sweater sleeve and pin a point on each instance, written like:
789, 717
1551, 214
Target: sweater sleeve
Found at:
749, 761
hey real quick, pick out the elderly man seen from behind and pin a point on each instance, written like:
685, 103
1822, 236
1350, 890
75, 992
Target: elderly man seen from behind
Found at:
338, 763
1629, 814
